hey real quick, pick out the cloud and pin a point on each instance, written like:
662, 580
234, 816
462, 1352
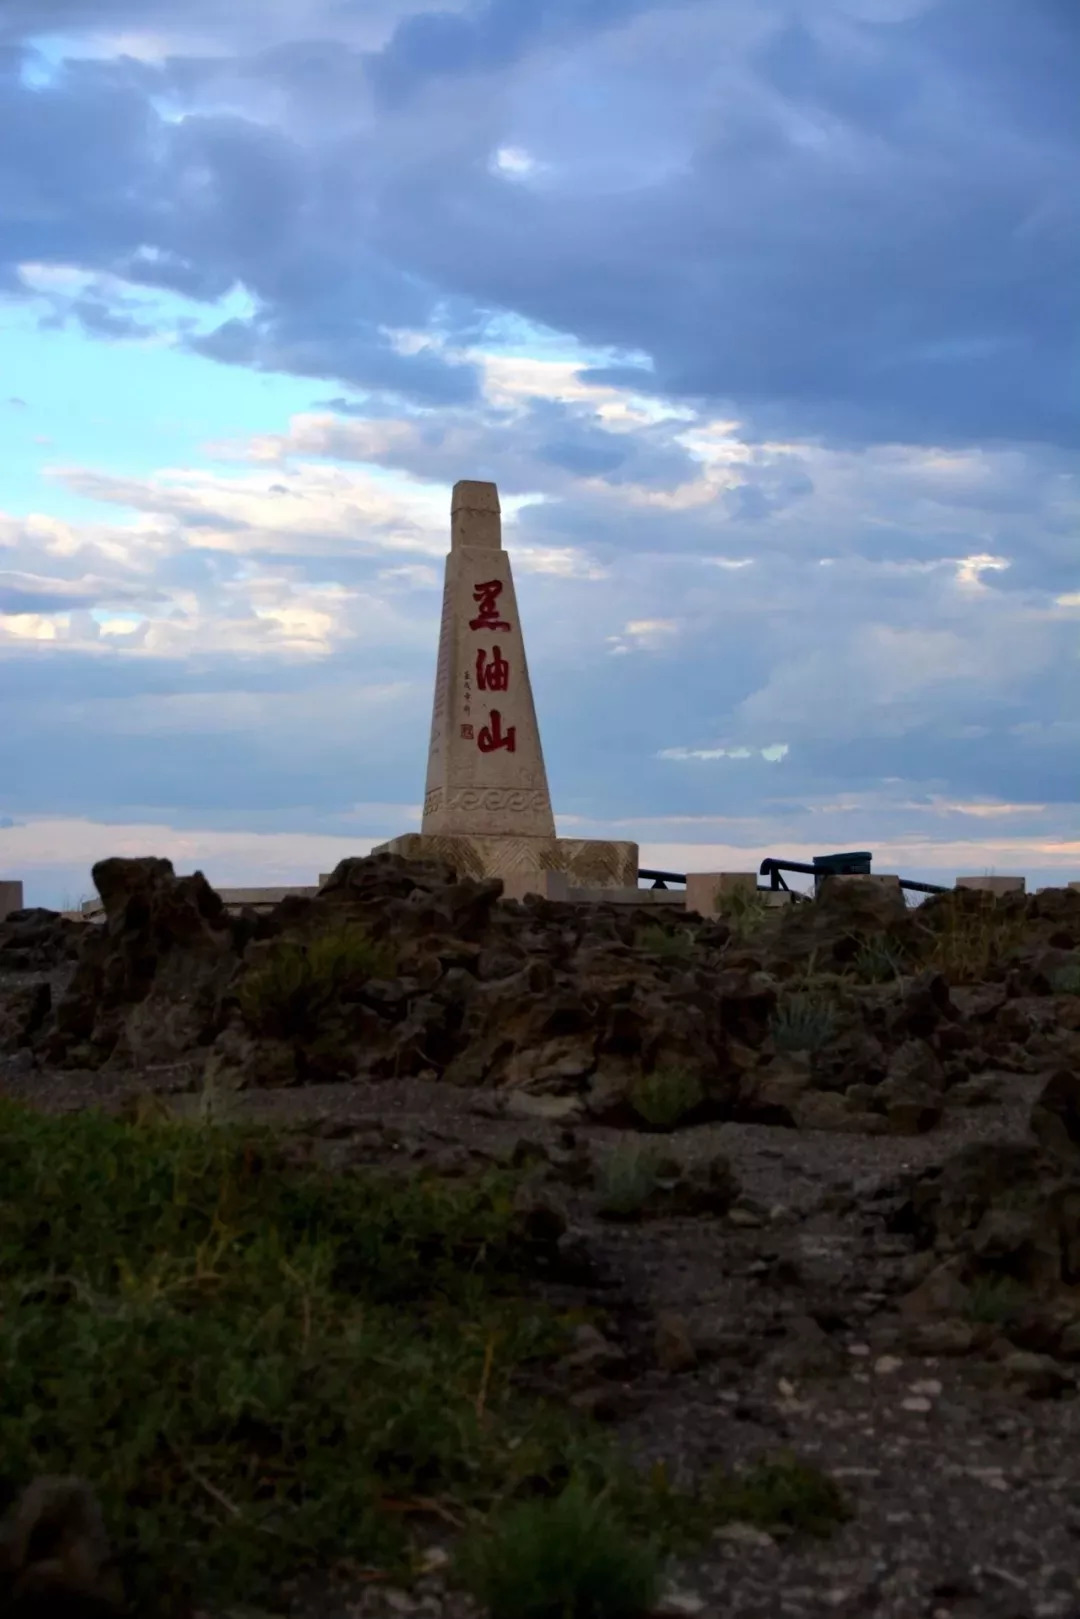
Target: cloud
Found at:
773, 753
856, 222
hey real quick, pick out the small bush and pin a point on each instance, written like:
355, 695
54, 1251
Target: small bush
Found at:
569, 1558
628, 1178
781, 1494
1065, 980
665, 1096
803, 1022
784, 1494
969, 935
995, 1300
878, 960
741, 904
285, 996
672, 946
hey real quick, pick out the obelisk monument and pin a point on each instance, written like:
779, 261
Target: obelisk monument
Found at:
487, 809
485, 764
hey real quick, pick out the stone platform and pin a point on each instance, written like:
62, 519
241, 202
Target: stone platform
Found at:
585, 862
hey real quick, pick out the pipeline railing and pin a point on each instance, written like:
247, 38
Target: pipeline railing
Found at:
660, 879
835, 865
856, 864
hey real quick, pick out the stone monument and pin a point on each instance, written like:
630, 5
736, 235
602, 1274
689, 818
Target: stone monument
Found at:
487, 808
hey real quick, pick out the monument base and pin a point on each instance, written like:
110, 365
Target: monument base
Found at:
585, 862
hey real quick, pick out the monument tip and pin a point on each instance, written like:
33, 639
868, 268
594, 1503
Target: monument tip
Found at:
471, 495
474, 516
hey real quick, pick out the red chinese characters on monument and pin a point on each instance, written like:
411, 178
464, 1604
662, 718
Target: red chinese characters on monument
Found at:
492, 672
493, 736
486, 597
492, 669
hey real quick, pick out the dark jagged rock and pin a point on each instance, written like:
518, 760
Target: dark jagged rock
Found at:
398, 969
1005, 1211
147, 982
55, 1559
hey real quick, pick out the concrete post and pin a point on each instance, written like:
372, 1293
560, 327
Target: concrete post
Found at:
11, 898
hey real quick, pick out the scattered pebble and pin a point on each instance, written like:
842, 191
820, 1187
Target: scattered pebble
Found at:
678, 1602
917, 1402
744, 1534
885, 1365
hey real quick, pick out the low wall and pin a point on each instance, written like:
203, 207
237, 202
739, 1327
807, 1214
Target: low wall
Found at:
11, 897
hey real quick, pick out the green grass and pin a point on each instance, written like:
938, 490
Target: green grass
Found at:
252, 1364
665, 1096
803, 1022
263, 1368
286, 995
573, 1557
783, 1494
628, 1178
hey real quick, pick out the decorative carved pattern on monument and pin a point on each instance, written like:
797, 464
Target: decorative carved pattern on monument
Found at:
517, 800
587, 863
433, 802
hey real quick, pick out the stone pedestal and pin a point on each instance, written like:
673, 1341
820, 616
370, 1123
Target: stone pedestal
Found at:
584, 862
994, 885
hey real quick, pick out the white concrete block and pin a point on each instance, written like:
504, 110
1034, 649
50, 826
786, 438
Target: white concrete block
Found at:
11, 897
994, 885
705, 889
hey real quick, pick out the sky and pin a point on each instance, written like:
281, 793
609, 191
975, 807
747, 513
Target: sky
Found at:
763, 315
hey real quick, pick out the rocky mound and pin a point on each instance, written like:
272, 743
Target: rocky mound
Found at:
852, 1013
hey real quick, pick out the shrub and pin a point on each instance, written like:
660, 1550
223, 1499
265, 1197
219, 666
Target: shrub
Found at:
285, 996
628, 1178
741, 904
665, 1096
994, 1300
785, 1494
878, 960
672, 944
803, 1022
969, 935
1065, 980
569, 1558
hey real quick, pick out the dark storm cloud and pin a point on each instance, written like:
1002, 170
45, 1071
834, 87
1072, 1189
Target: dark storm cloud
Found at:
865, 239
96, 178
484, 38
838, 228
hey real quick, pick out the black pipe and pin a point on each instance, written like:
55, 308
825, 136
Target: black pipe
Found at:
660, 879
